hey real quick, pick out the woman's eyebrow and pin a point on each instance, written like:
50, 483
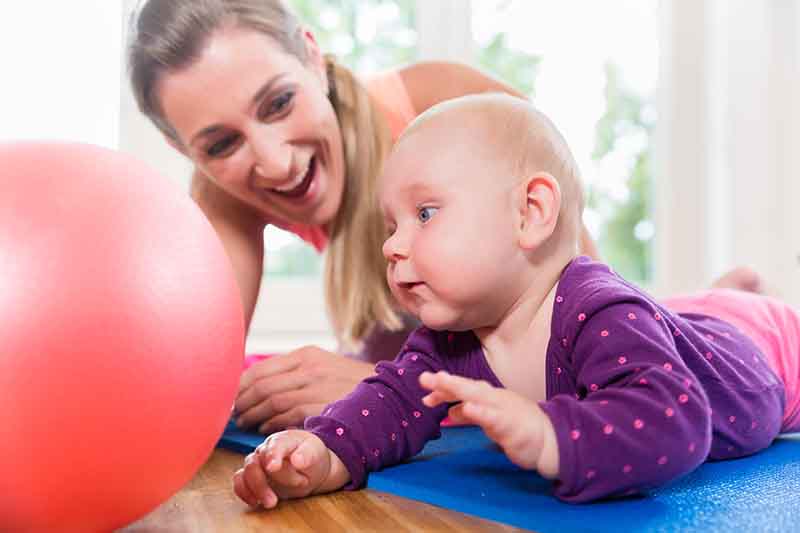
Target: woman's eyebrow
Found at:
257, 97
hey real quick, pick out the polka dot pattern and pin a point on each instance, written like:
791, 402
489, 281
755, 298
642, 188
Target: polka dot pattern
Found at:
625, 389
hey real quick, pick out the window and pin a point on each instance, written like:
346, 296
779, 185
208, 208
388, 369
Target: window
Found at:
595, 76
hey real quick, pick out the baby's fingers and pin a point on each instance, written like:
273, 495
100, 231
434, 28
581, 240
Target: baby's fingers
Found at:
281, 474
286, 479
436, 397
450, 388
309, 452
255, 481
496, 422
243, 491
486, 416
276, 448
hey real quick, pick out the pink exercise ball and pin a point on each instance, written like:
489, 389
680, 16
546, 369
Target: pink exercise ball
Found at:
121, 338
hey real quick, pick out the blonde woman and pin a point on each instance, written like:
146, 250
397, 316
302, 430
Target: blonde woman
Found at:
282, 134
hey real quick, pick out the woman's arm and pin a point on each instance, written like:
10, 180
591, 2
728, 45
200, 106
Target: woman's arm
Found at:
241, 231
431, 82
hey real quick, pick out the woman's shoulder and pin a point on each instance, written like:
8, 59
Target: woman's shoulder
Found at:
431, 82
405, 92
389, 91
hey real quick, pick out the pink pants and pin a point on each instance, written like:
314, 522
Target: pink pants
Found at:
772, 325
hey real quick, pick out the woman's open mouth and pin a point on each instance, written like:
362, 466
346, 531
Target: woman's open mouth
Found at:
300, 185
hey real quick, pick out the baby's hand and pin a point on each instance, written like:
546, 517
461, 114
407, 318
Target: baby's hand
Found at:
513, 421
288, 464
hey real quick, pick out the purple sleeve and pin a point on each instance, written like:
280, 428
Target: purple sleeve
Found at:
638, 419
383, 421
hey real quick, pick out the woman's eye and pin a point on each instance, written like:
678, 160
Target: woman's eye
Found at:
424, 214
220, 147
278, 104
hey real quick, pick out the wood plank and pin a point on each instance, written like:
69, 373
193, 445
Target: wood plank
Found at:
207, 504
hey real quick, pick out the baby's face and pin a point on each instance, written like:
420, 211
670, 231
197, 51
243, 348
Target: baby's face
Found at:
452, 248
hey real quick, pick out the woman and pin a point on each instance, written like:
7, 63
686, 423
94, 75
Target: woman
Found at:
281, 134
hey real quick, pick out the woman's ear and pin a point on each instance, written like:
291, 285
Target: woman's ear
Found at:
314, 57
540, 204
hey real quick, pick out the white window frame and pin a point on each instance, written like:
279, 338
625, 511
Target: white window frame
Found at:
727, 163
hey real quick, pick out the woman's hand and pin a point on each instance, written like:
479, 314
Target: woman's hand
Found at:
289, 464
282, 391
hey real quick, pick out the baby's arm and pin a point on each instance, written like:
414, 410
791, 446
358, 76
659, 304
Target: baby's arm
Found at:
640, 418
289, 464
383, 421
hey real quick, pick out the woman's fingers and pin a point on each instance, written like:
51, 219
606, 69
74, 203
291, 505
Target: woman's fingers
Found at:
265, 387
277, 391
275, 405
294, 417
272, 366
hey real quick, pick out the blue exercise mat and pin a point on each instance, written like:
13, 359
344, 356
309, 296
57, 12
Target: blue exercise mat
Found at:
466, 472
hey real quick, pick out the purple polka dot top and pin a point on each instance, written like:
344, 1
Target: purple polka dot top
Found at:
638, 395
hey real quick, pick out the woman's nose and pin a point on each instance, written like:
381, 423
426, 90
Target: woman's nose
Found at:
272, 158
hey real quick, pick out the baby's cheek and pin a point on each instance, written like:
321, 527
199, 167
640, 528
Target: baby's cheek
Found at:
438, 252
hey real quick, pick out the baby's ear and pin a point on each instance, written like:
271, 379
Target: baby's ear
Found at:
540, 204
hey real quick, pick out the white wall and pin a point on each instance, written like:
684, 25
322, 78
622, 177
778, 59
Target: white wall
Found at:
727, 172
60, 71
137, 135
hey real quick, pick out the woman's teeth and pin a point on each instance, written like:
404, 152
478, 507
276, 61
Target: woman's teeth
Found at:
301, 183
294, 183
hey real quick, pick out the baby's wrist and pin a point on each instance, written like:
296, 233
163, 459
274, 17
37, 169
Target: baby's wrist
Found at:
547, 465
338, 475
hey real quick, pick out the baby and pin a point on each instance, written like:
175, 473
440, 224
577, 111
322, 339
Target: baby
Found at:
574, 372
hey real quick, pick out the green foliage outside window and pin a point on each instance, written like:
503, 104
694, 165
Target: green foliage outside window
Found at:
626, 235
514, 67
367, 35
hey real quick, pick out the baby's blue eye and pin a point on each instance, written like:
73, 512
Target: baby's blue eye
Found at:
424, 214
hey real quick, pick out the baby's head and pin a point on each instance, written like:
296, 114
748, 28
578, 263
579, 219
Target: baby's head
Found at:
481, 197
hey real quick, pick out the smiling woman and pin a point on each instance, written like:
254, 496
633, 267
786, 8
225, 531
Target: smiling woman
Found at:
273, 142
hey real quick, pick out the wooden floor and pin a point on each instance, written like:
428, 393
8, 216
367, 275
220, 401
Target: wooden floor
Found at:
207, 504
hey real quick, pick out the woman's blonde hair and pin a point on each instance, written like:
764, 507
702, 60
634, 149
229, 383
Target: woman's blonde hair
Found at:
169, 35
